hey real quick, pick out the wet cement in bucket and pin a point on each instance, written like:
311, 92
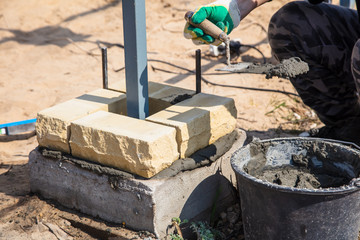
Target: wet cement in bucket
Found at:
309, 164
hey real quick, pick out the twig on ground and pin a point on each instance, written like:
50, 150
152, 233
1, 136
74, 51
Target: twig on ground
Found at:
283, 104
82, 49
8, 170
180, 9
57, 231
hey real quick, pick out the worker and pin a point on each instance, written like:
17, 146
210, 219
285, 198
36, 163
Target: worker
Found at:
325, 36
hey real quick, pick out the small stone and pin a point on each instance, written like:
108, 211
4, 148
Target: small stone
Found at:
66, 223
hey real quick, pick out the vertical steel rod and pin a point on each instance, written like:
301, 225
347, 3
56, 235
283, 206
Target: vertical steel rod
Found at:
198, 70
104, 68
137, 96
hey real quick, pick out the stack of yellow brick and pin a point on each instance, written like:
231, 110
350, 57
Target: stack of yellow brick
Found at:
94, 127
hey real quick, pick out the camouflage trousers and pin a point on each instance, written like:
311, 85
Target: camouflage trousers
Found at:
327, 37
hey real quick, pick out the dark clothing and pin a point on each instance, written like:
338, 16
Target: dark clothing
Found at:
327, 37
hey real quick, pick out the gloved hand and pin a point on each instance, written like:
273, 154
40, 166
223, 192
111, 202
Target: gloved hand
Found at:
223, 13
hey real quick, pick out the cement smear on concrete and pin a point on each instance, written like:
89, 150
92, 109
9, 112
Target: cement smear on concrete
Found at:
179, 98
319, 167
203, 157
97, 168
288, 68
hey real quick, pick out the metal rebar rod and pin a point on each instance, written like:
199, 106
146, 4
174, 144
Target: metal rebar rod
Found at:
198, 70
104, 68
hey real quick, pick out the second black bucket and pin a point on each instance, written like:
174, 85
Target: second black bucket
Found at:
272, 211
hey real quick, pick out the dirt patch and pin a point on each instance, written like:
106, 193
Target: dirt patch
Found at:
35, 218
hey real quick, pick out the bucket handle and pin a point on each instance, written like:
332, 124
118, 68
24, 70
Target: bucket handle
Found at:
355, 182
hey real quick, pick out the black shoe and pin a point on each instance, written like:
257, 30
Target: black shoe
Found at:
324, 132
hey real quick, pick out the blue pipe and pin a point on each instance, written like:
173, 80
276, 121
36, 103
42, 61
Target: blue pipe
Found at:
17, 123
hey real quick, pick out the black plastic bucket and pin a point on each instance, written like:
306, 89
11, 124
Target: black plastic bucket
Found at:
272, 211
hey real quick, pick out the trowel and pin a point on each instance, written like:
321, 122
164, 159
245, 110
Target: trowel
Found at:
287, 68
212, 30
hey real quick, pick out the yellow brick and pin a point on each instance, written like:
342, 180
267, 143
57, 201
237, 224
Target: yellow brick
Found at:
130, 144
199, 121
192, 127
53, 124
222, 110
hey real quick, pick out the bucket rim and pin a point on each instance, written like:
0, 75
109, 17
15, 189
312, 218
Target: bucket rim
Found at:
353, 186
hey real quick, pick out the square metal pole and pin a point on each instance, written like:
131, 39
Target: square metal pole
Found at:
135, 58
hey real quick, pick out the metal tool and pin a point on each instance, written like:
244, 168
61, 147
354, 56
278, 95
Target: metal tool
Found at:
240, 67
208, 28
14, 128
287, 68
247, 67
211, 29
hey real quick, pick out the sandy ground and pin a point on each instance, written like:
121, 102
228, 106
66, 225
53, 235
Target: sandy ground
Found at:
49, 54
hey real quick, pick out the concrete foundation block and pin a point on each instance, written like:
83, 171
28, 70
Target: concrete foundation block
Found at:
142, 204
53, 124
130, 144
199, 121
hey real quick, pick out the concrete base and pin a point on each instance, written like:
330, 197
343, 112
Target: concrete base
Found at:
142, 204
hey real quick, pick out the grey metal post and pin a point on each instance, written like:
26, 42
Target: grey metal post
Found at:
135, 58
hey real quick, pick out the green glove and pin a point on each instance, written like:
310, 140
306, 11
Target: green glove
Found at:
223, 13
